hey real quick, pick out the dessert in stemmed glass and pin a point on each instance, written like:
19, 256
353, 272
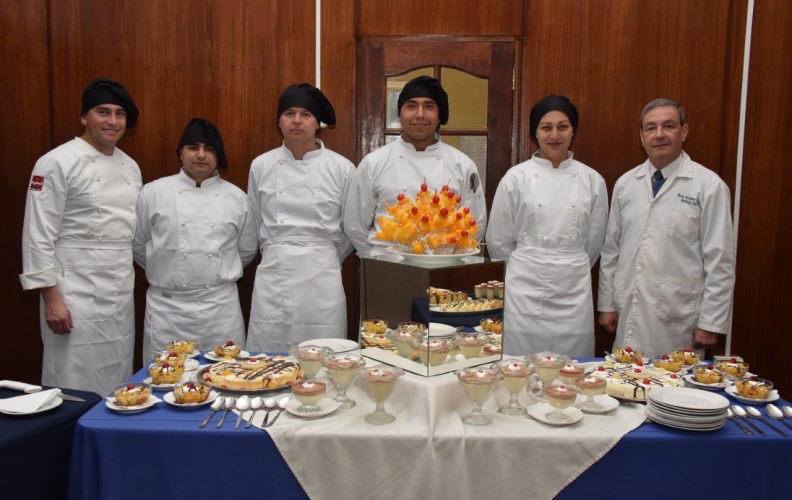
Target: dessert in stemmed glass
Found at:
560, 397
571, 372
310, 358
515, 377
471, 344
309, 393
478, 383
432, 351
548, 366
380, 381
590, 387
342, 368
402, 338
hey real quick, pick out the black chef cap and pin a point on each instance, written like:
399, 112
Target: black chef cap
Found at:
304, 95
106, 91
426, 86
200, 130
553, 103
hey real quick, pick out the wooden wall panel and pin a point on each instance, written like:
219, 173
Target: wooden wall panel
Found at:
764, 272
25, 124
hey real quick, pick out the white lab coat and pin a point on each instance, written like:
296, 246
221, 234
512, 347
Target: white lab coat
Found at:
193, 243
667, 264
298, 204
549, 224
77, 235
398, 168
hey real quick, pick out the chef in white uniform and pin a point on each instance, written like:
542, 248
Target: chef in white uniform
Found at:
667, 269
195, 234
297, 194
77, 246
417, 157
548, 221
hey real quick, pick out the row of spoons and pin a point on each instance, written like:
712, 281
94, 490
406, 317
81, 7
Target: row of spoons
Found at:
774, 412
243, 404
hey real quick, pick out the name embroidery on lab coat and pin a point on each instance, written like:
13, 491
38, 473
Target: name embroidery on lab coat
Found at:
688, 199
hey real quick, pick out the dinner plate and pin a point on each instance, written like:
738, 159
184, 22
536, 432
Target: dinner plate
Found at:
326, 405
170, 399
691, 379
608, 403
211, 356
337, 345
539, 410
126, 410
191, 365
167, 387
704, 427
732, 391
687, 398
441, 330
433, 260
51, 405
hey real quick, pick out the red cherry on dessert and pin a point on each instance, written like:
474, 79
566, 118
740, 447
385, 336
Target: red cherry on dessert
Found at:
414, 210
190, 385
459, 215
252, 360
436, 199
229, 343
452, 240
172, 354
465, 234
665, 356
472, 223
466, 210
646, 381
458, 199
601, 369
710, 367
639, 363
673, 375
400, 197
424, 187
165, 365
733, 360
450, 194
628, 349
444, 211
130, 386
445, 188
687, 349
638, 370
425, 219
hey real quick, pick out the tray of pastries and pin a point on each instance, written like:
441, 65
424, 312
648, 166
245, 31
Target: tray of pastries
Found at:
468, 306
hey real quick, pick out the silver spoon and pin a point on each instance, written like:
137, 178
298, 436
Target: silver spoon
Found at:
787, 411
739, 412
242, 405
730, 416
216, 405
281, 407
773, 412
754, 413
229, 403
269, 405
255, 404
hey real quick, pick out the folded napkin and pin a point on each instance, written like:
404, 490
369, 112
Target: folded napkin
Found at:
29, 403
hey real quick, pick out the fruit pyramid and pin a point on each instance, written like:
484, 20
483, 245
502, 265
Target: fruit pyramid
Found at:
432, 224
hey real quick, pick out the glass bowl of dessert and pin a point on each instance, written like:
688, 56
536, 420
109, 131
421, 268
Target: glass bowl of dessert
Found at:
131, 393
432, 351
491, 324
515, 375
627, 354
310, 358
548, 365
591, 386
560, 397
375, 326
708, 374
667, 362
164, 373
379, 381
478, 383
342, 368
754, 387
309, 393
413, 326
571, 372
173, 358
227, 351
688, 355
182, 346
191, 392
402, 338
733, 367
471, 344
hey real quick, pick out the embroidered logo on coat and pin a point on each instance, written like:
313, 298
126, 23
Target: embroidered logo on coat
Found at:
688, 199
37, 183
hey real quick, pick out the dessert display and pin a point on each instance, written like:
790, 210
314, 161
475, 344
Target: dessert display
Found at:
267, 373
478, 383
191, 393
688, 355
342, 368
227, 351
548, 365
493, 349
432, 224
182, 346
164, 373
708, 374
590, 387
432, 352
733, 367
515, 377
438, 296
623, 386
754, 388
131, 394
627, 354
570, 372
380, 381
667, 362
495, 337
492, 325
471, 305
470, 344
310, 358
490, 290
375, 326
309, 393
560, 397
402, 341
173, 358
412, 326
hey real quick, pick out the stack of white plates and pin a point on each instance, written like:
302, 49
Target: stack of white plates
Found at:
689, 409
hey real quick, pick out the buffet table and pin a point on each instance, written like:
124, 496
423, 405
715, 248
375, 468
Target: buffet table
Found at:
163, 453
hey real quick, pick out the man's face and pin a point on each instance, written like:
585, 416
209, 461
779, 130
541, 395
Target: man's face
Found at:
419, 119
199, 161
104, 126
662, 136
298, 125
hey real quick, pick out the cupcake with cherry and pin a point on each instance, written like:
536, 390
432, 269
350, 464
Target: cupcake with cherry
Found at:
227, 351
131, 394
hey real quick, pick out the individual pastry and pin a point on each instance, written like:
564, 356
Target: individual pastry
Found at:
131, 394
228, 351
191, 393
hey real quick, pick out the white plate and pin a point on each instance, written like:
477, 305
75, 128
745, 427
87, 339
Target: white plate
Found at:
151, 401
732, 391
440, 329
653, 416
691, 379
166, 387
685, 397
608, 403
434, 260
539, 410
51, 405
170, 398
194, 354
211, 356
612, 359
326, 404
337, 345
191, 365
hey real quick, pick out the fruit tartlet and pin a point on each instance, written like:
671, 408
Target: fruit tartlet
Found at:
754, 388
227, 351
164, 373
689, 356
627, 354
191, 392
131, 394
733, 367
708, 374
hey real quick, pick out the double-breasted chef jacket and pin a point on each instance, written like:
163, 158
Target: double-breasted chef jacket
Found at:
667, 265
549, 224
398, 168
193, 243
298, 204
78, 230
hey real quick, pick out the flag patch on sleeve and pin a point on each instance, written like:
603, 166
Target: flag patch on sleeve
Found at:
37, 183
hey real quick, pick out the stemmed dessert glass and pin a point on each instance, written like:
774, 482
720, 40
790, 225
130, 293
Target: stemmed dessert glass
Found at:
309, 393
432, 351
380, 380
560, 397
471, 344
478, 383
402, 338
342, 368
515, 377
548, 365
310, 358
590, 387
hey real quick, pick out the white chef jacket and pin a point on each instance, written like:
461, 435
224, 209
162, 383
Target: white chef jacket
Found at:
79, 224
549, 224
193, 243
298, 205
667, 264
398, 168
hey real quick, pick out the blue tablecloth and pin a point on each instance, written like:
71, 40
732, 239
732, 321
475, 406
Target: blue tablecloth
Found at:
421, 314
162, 454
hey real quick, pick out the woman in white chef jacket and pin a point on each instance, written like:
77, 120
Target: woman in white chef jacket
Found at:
548, 221
298, 195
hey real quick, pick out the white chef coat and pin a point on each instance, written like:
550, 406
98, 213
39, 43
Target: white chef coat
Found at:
298, 205
77, 235
549, 224
667, 264
398, 168
193, 243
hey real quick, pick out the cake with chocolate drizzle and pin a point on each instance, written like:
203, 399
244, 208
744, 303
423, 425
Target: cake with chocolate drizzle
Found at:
264, 373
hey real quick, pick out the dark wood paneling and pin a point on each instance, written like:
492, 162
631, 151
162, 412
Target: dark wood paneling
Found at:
764, 273
25, 124
440, 17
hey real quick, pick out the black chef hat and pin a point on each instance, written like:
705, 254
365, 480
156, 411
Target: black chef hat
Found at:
304, 95
426, 86
553, 103
200, 130
106, 91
